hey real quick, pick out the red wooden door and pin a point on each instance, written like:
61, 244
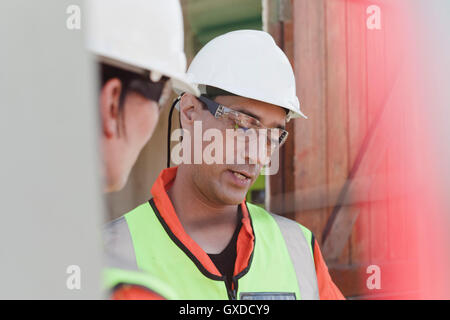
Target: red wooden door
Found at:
358, 161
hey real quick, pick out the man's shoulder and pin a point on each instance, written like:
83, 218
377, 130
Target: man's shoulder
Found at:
122, 219
278, 218
118, 228
117, 240
286, 225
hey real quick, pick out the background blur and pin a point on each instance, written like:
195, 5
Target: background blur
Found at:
368, 172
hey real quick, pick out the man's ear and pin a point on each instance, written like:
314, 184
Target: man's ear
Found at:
190, 108
109, 107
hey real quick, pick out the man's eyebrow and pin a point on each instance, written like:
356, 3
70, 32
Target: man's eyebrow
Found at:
248, 113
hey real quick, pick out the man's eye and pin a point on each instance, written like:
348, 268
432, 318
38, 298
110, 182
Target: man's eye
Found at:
238, 126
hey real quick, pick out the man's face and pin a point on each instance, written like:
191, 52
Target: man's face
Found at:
228, 184
125, 132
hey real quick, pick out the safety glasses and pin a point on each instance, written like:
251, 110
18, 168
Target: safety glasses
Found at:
158, 91
244, 123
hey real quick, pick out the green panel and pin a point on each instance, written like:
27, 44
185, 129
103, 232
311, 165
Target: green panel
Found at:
256, 193
115, 276
264, 275
209, 18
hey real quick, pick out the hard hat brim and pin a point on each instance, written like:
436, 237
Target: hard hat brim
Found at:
293, 113
296, 114
181, 84
180, 81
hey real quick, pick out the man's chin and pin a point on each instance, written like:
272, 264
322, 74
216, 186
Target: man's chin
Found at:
232, 198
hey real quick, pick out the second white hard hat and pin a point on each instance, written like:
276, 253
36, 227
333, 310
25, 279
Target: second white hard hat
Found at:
147, 34
247, 63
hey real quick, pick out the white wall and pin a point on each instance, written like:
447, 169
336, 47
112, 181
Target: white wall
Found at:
50, 199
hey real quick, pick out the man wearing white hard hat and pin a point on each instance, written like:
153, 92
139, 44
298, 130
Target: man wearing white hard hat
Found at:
197, 233
139, 50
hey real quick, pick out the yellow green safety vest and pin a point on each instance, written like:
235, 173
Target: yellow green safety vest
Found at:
281, 265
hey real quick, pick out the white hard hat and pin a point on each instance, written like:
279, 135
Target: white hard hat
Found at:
147, 34
247, 63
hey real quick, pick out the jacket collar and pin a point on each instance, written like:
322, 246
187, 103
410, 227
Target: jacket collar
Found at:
245, 241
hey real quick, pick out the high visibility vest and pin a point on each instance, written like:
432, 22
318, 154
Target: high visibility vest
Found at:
114, 277
281, 265
121, 269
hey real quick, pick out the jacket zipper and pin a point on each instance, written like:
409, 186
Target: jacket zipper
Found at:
232, 292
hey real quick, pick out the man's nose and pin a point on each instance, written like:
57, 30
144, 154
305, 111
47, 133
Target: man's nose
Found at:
255, 153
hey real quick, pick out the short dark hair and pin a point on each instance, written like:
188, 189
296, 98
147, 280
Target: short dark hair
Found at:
213, 92
131, 82
108, 72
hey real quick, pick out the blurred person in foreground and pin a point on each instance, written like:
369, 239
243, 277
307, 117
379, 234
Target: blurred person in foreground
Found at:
138, 46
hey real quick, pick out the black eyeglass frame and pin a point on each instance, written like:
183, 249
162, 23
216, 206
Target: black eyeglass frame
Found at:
218, 110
